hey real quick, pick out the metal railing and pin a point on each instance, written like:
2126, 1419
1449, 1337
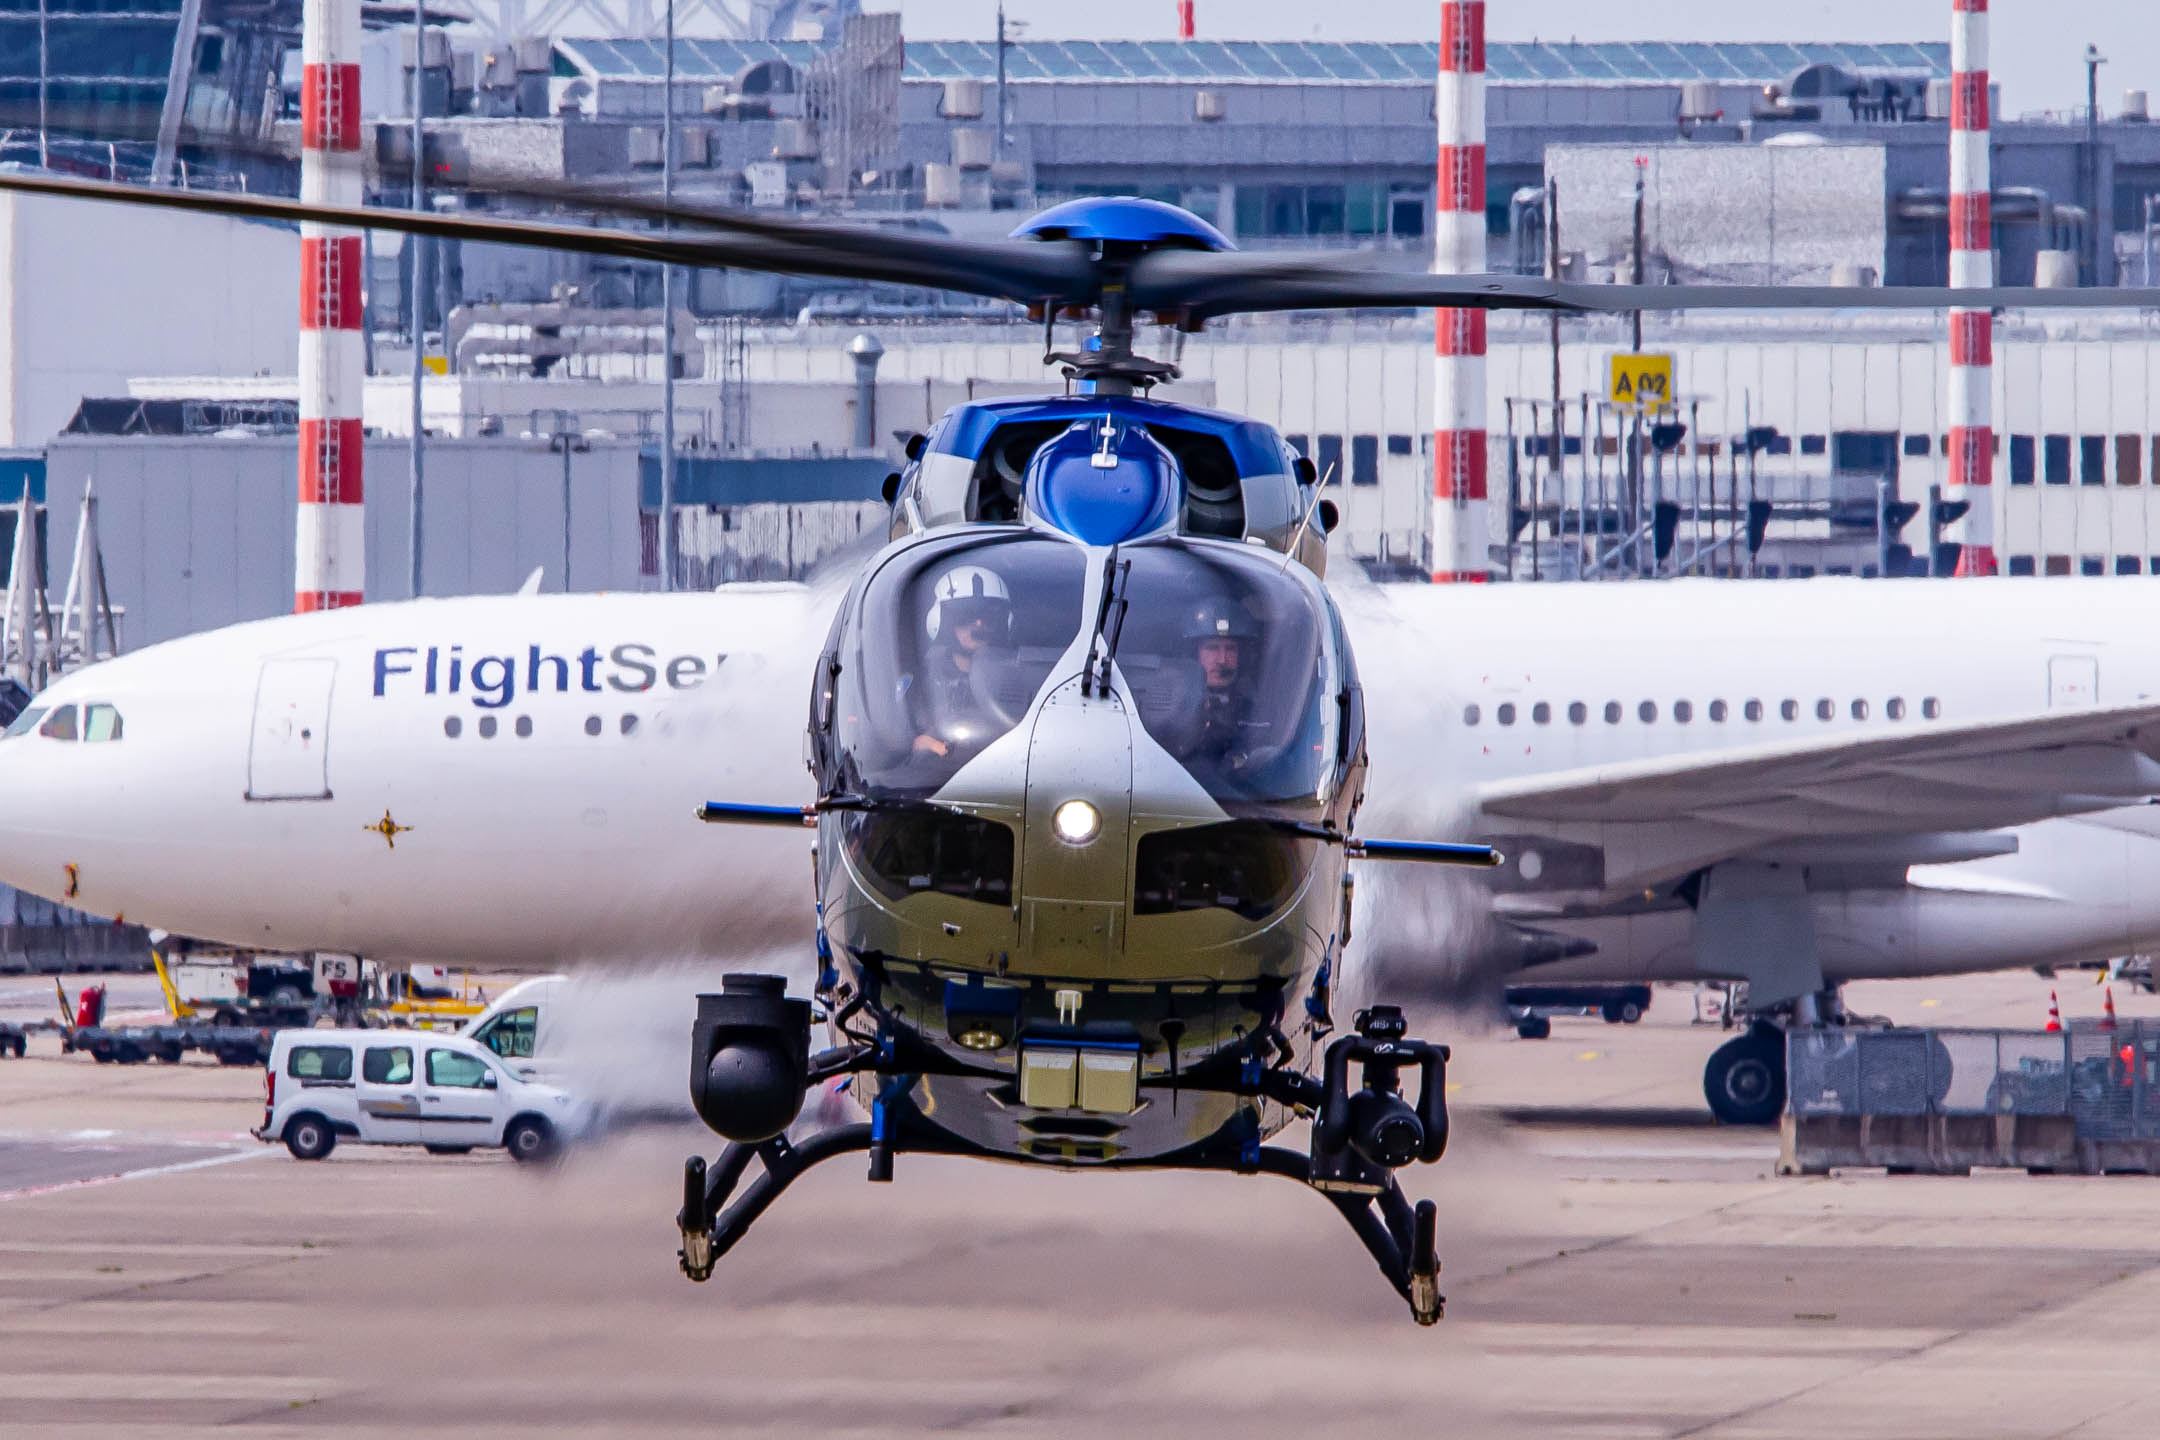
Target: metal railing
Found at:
2107, 1080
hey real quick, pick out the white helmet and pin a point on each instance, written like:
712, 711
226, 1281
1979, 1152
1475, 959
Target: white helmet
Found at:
969, 592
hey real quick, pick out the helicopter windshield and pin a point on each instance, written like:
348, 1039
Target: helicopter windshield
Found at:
1226, 659
950, 647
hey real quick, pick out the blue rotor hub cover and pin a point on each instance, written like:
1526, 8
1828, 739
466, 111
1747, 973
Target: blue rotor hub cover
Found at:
1104, 481
1125, 219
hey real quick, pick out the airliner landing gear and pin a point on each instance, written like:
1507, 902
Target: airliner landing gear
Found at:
1745, 1079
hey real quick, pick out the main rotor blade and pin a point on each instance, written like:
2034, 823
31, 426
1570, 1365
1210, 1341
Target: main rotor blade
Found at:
1022, 271
1201, 285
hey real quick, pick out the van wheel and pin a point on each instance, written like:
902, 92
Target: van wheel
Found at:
449, 1149
309, 1137
1533, 1027
530, 1140
1621, 1012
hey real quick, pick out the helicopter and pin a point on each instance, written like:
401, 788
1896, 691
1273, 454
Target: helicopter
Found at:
1088, 742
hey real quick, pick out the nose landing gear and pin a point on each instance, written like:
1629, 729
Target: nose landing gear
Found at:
1744, 1080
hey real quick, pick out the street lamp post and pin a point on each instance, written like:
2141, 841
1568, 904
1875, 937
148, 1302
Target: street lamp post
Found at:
567, 443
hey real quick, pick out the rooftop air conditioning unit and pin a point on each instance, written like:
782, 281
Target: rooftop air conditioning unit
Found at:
2135, 106
941, 187
971, 149
644, 145
792, 140
1207, 105
962, 100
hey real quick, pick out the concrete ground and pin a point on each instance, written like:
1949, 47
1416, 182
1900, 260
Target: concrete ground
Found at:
1615, 1265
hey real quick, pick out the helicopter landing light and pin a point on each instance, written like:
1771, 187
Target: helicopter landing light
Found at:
1076, 822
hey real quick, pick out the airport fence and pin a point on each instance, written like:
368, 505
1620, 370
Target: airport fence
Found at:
2107, 1081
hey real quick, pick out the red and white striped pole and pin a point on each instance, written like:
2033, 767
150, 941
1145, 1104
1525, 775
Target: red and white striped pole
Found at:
1459, 535
330, 556
1184, 19
1972, 332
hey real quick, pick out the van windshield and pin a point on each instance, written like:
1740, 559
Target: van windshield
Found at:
511, 1033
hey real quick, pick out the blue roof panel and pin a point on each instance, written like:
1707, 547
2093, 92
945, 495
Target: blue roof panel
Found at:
1289, 61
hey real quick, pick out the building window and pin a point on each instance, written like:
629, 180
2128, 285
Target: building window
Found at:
2021, 459
1859, 709
1612, 712
1931, 708
2128, 565
2092, 459
1824, 709
1299, 443
1577, 712
2021, 564
1753, 710
1398, 444
1682, 711
2055, 457
1717, 711
1364, 460
2129, 460
2092, 565
1647, 712
1814, 445
1330, 460
1505, 714
1916, 445
1469, 714
1790, 709
1894, 707
1541, 713
2057, 565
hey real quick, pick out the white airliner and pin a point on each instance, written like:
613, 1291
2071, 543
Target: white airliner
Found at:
1794, 783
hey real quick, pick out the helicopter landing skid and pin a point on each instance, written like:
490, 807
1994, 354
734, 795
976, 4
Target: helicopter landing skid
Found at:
1401, 1239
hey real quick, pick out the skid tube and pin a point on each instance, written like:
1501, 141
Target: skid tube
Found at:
1402, 1239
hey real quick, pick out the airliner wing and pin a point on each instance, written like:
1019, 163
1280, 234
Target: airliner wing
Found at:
1660, 815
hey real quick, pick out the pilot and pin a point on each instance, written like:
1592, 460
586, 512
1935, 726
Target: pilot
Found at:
1222, 638
970, 614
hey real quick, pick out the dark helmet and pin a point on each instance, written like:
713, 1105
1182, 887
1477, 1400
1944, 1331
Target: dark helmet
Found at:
970, 592
1219, 619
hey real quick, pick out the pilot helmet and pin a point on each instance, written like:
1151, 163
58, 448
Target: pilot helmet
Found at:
970, 592
1219, 618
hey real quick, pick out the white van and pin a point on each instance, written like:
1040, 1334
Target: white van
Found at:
519, 1025
407, 1087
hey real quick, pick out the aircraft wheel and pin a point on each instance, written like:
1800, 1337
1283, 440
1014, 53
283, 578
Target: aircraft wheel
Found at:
309, 1137
1745, 1079
1534, 1027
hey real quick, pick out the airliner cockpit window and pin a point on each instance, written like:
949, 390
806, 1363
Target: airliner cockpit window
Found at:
950, 646
1230, 672
101, 722
60, 725
24, 723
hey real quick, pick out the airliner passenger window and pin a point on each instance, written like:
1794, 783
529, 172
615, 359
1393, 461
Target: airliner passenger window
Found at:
1647, 712
1790, 709
1859, 709
60, 725
1753, 710
1824, 709
1895, 708
1931, 708
1612, 712
1717, 711
1505, 714
1683, 711
25, 722
1577, 712
1469, 714
1541, 713
101, 722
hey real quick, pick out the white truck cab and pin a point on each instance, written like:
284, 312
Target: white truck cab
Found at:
407, 1087
519, 1026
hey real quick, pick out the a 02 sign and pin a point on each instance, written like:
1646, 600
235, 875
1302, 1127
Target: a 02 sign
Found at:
1642, 378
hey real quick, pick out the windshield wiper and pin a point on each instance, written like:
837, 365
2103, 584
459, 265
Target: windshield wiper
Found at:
1108, 627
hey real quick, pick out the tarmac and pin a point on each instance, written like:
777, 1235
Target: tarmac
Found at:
1616, 1265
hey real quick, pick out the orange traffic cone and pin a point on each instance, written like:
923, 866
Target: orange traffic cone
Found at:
2107, 1021
2054, 1014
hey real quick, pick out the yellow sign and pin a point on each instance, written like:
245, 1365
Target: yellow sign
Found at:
435, 364
1644, 379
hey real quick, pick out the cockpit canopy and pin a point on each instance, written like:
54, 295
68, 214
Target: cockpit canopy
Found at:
1228, 661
